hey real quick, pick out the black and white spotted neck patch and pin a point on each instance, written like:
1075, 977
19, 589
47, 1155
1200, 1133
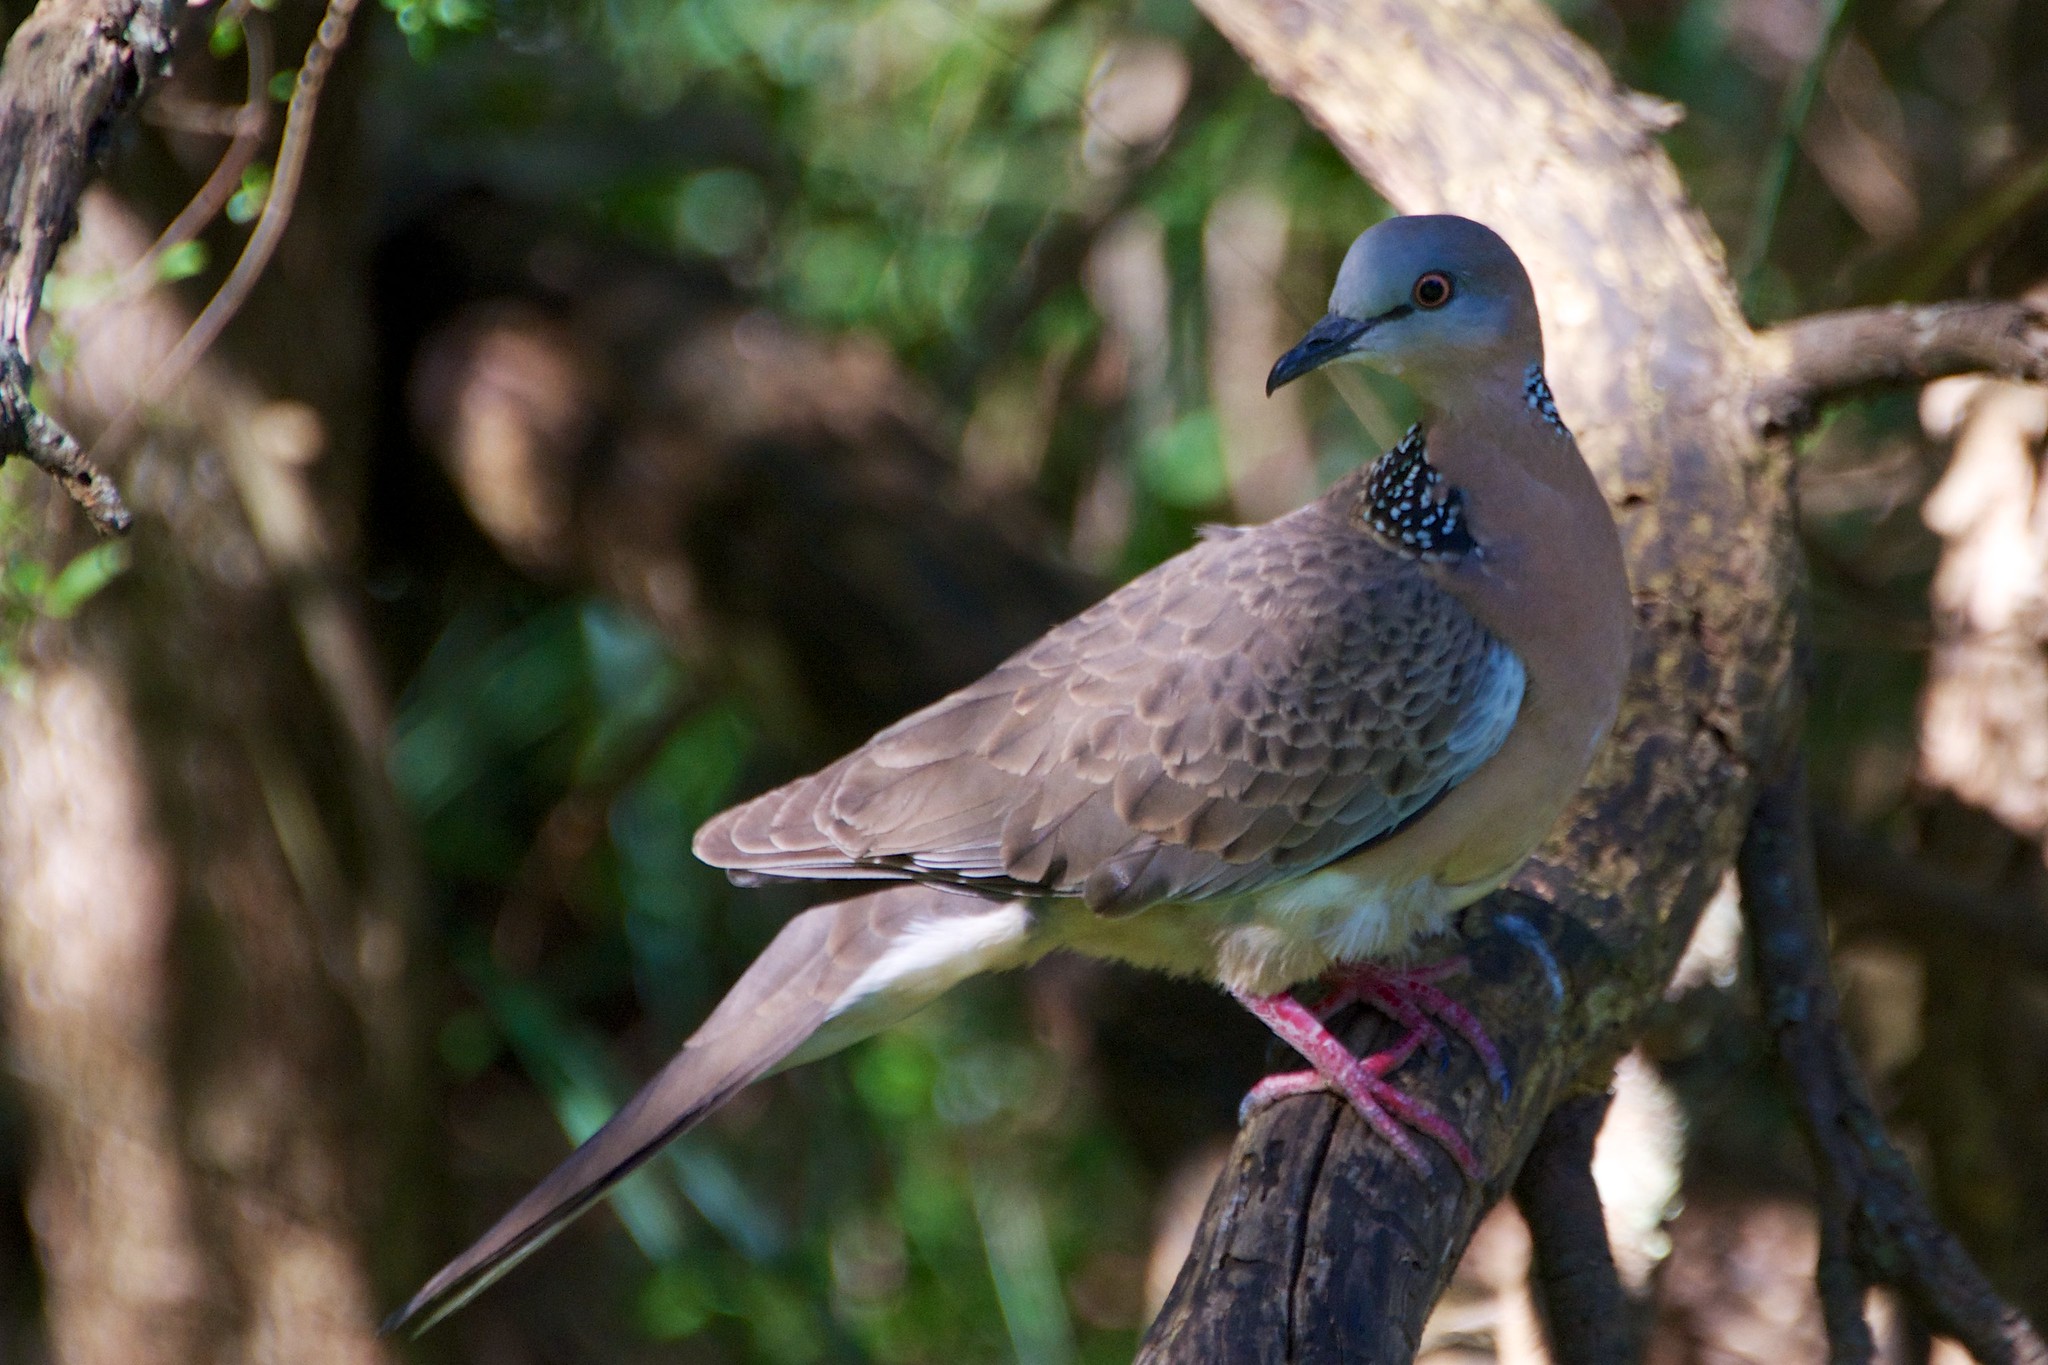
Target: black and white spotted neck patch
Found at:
1537, 389
1410, 506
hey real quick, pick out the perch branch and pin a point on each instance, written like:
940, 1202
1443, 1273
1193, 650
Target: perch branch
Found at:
1804, 365
1585, 1311
71, 69
1867, 1188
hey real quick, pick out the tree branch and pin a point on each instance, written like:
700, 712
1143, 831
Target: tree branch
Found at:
1586, 1313
1319, 1244
1804, 365
1841, 1286
1905, 897
1867, 1190
71, 69
51, 449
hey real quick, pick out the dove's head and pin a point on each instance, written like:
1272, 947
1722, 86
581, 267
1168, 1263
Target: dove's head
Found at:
1433, 299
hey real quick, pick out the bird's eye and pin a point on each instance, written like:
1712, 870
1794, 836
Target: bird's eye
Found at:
1432, 290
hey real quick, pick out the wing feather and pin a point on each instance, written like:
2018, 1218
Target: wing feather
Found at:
1257, 707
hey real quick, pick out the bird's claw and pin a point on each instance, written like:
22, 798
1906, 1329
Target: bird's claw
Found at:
1410, 997
1360, 1080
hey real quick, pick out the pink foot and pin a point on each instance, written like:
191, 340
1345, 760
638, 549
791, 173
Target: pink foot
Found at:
1410, 998
1358, 1079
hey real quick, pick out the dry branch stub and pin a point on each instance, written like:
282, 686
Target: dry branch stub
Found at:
71, 69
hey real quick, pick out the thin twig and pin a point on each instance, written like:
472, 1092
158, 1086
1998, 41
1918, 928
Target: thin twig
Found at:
1891, 1236
249, 124
1841, 1285
262, 244
51, 449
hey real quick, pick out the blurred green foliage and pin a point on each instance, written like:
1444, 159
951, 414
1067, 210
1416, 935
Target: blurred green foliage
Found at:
33, 590
930, 1206
938, 1194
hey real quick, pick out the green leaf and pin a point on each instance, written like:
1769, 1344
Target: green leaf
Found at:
248, 201
181, 261
1183, 464
26, 578
64, 292
226, 38
80, 580
675, 1303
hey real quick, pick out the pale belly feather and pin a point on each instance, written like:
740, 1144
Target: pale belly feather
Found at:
1264, 942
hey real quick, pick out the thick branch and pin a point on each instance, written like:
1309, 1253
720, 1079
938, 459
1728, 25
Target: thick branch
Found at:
1585, 1310
1319, 1244
1804, 365
1867, 1189
72, 68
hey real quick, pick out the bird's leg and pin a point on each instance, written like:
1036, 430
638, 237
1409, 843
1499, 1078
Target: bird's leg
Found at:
1358, 1079
1350, 987
1409, 996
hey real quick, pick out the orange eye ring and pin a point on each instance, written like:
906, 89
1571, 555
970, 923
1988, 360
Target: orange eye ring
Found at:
1432, 290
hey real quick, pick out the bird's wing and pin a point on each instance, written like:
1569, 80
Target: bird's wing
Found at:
834, 974
1250, 710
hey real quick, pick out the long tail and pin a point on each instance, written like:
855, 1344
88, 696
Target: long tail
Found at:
834, 975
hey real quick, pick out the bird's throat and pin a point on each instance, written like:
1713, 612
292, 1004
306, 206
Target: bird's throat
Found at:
1409, 505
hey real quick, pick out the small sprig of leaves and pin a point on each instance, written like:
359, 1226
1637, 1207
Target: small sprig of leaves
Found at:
427, 24
32, 590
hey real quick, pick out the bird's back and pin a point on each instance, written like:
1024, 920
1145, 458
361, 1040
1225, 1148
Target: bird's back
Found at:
1261, 705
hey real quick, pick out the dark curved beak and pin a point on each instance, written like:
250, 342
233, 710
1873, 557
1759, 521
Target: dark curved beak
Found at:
1327, 340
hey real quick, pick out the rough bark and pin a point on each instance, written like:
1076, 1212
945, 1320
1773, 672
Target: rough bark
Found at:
1319, 1244
1587, 1317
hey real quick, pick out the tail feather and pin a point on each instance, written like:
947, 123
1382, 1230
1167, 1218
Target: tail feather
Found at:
834, 974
